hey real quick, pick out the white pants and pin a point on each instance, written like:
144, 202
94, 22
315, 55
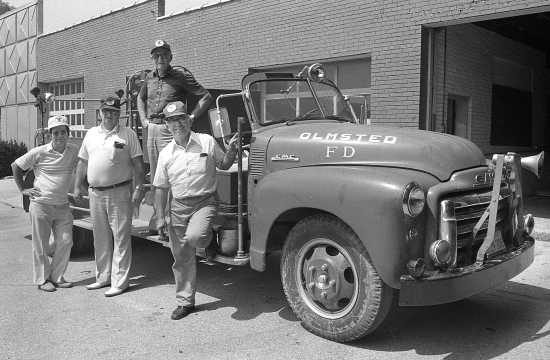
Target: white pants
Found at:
46, 220
111, 212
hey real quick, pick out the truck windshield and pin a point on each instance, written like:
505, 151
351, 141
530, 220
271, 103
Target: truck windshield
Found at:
288, 100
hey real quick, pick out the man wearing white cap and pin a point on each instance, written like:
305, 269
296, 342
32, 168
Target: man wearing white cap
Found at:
187, 167
110, 156
53, 165
166, 84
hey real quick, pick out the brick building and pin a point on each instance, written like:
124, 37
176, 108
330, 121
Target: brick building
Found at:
476, 68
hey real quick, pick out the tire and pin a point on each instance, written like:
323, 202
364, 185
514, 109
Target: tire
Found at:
83, 240
330, 282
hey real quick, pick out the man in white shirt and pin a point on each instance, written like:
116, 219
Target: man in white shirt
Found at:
53, 165
110, 156
187, 167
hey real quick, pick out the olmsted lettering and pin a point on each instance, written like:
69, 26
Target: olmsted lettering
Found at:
371, 138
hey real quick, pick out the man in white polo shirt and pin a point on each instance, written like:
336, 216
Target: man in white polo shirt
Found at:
110, 156
187, 166
53, 165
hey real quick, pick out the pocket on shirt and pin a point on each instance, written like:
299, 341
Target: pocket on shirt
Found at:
117, 155
198, 164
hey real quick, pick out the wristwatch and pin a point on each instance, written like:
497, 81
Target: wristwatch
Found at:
140, 187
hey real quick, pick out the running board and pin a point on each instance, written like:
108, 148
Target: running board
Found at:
141, 228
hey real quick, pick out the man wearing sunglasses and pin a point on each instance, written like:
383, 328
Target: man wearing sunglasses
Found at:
164, 85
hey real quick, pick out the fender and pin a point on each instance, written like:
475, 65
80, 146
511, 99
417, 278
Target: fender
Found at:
368, 199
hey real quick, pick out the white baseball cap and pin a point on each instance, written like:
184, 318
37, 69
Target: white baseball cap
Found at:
57, 120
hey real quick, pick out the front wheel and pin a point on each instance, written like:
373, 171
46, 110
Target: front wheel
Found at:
330, 282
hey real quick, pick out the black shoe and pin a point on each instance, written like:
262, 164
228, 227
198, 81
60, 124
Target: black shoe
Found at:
182, 311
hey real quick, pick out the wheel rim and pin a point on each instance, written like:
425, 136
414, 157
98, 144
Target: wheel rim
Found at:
327, 278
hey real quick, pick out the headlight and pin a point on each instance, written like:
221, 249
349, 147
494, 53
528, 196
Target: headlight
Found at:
414, 199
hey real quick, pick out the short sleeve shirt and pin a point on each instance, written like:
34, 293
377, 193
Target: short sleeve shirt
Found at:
191, 170
109, 155
52, 170
176, 85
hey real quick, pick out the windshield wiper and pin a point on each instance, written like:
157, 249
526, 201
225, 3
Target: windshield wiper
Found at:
337, 117
304, 116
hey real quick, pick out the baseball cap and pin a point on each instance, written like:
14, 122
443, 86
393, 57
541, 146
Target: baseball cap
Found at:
110, 103
57, 120
174, 109
161, 44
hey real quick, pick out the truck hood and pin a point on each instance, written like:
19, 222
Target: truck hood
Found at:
310, 143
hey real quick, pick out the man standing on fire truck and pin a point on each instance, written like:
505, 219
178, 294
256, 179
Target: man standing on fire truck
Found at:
165, 84
187, 166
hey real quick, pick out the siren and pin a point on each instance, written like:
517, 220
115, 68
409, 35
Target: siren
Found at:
533, 163
316, 72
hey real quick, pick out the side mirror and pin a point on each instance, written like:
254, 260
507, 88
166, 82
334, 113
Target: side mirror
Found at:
219, 121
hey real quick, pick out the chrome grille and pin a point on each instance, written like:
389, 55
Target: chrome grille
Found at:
468, 210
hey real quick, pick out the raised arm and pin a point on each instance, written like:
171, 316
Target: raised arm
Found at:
230, 154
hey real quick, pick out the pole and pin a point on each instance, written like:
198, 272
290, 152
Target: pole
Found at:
240, 248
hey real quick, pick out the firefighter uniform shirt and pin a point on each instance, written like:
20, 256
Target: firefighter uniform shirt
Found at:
191, 170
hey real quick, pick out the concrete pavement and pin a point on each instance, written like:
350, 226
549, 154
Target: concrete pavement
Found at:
243, 314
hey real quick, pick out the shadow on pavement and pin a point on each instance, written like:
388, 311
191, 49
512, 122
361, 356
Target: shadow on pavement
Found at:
482, 327
249, 292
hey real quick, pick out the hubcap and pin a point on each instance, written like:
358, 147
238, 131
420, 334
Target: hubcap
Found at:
327, 278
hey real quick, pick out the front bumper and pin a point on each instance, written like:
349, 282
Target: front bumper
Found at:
449, 286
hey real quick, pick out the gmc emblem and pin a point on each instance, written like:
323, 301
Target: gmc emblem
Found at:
487, 177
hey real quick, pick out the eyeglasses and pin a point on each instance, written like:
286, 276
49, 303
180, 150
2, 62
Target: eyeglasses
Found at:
156, 56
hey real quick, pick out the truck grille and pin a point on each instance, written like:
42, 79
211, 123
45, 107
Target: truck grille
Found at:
468, 210
256, 162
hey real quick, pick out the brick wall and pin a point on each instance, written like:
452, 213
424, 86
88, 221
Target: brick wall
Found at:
219, 43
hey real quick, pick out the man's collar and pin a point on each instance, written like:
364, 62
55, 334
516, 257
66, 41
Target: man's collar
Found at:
168, 70
49, 148
109, 132
193, 137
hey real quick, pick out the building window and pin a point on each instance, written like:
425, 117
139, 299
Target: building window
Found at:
68, 95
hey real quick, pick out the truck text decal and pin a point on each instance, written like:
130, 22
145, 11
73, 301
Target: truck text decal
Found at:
373, 138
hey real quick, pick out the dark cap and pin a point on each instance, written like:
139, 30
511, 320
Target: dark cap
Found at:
161, 44
110, 103
176, 108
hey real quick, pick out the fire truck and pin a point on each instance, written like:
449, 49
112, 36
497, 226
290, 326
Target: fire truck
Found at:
365, 217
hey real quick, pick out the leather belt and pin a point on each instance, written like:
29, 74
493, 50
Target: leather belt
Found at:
102, 188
